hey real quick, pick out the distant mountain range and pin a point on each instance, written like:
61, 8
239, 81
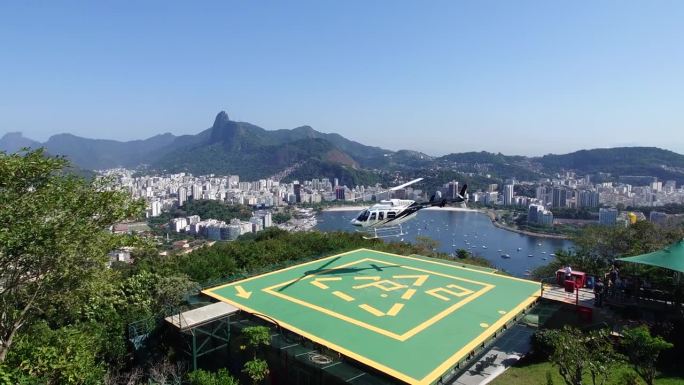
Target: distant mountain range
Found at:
230, 147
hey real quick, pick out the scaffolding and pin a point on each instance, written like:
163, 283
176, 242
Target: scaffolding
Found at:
203, 330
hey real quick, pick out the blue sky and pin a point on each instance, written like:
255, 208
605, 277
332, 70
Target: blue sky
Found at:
519, 77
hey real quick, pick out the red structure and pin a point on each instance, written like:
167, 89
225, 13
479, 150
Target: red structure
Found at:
578, 279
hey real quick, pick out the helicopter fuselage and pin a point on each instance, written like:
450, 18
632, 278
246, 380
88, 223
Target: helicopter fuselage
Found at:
390, 212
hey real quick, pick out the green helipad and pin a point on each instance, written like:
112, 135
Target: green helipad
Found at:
411, 317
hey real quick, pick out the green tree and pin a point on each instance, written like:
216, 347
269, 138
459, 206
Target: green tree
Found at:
53, 234
426, 245
463, 253
602, 356
257, 336
256, 369
203, 377
643, 350
570, 354
281, 217
68, 355
575, 353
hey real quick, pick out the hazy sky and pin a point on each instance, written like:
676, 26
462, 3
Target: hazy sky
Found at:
520, 77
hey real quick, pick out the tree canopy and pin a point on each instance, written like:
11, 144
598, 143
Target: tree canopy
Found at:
54, 235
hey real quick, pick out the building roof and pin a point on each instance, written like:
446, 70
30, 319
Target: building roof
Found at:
410, 317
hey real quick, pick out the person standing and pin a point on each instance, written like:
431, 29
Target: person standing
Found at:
598, 293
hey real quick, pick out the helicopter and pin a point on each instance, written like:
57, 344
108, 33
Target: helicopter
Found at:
385, 218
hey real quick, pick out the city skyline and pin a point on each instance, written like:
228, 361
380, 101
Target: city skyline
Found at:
528, 79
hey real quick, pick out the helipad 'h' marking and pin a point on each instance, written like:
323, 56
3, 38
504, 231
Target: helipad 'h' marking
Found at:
420, 279
372, 310
342, 295
433, 292
317, 282
382, 285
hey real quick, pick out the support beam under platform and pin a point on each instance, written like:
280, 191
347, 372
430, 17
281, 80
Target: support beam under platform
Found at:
205, 329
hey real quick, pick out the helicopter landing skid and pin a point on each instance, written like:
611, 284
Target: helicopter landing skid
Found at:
383, 232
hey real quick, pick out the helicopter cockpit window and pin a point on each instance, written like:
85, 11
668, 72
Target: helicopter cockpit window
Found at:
363, 216
381, 215
391, 215
372, 216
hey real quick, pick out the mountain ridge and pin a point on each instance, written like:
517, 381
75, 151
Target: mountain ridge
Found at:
254, 152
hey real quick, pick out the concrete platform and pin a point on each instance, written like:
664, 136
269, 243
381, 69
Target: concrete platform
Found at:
200, 316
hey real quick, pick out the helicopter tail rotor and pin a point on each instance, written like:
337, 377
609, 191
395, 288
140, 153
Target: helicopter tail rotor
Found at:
462, 196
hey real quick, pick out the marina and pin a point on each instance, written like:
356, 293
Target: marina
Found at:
468, 230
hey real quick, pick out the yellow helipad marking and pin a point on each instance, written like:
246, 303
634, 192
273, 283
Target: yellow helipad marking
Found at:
400, 337
484, 325
344, 296
317, 282
372, 310
435, 373
420, 279
408, 294
502, 312
433, 292
242, 293
395, 309
385, 285
374, 278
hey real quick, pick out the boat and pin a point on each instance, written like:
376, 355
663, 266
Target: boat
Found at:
543, 252
530, 256
505, 256
543, 258
484, 247
519, 248
552, 255
539, 244
500, 250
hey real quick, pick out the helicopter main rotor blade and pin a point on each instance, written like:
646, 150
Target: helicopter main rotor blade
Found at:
389, 189
405, 184
324, 266
308, 273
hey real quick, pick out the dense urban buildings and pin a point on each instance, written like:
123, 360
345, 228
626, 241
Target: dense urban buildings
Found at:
163, 192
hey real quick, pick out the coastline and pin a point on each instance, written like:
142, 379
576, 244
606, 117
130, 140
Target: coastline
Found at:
492, 217
359, 208
489, 213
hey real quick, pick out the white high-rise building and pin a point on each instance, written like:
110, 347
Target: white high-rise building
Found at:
156, 208
182, 196
657, 186
196, 191
178, 224
508, 195
268, 220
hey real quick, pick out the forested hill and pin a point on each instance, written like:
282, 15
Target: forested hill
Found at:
227, 147
649, 161
618, 161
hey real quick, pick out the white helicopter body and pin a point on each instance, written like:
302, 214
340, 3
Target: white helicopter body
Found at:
389, 215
